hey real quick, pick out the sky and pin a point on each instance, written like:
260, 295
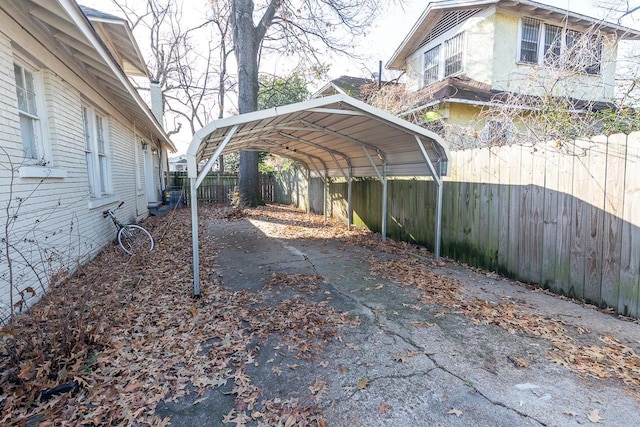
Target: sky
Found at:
385, 35
381, 41
391, 28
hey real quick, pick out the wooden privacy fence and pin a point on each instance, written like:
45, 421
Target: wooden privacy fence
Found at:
565, 216
217, 188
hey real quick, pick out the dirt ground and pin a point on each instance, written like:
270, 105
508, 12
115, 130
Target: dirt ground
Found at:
306, 323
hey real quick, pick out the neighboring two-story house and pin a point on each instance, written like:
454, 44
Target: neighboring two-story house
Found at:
464, 56
76, 138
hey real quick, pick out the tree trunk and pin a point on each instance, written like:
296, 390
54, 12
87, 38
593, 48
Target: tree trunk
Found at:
246, 44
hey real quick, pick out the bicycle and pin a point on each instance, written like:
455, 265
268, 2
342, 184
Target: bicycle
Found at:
132, 238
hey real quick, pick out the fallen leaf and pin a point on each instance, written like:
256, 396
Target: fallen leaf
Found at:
518, 362
422, 325
383, 408
401, 357
594, 416
363, 383
455, 412
133, 386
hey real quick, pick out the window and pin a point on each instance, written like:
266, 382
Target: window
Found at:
28, 91
594, 55
552, 44
529, 40
431, 65
453, 55
96, 152
584, 51
497, 132
559, 47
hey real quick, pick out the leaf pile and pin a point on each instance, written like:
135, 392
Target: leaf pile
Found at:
302, 283
408, 267
611, 359
129, 334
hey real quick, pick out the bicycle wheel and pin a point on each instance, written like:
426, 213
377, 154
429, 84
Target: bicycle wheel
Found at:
135, 239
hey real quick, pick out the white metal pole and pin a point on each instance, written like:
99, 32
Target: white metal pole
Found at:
326, 192
384, 203
194, 237
349, 201
308, 191
439, 184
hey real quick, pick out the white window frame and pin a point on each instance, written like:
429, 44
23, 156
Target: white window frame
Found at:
542, 56
40, 146
435, 71
537, 41
95, 129
456, 41
431, 66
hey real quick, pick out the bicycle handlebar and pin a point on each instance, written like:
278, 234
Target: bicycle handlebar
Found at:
106, 213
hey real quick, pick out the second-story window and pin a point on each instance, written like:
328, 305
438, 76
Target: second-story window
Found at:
558, 47
453, 55
529, 40
431, 65
584, 52
552, 44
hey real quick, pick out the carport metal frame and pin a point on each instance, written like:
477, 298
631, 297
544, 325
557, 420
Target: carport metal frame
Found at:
316, 155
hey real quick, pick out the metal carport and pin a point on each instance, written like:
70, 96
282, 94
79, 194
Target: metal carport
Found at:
334, 136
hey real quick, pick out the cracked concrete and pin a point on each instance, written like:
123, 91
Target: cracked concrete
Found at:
454, 373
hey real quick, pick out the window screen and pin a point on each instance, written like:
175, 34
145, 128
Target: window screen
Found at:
453, 55
431, 62
529, 40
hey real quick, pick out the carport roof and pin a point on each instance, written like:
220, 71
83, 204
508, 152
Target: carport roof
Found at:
332, 136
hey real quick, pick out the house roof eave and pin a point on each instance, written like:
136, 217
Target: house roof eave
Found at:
434, 9
142, 113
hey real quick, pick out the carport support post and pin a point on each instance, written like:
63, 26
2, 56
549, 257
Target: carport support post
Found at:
437, 178
436, 246
326, 192
194, 237
384, 203
349, 203
308, 191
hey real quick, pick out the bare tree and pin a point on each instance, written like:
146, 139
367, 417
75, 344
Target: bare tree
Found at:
292, 27
192, 74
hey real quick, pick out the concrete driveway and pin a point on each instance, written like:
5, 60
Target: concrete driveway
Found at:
411, 361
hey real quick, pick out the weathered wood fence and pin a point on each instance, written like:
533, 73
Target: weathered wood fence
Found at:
565, 216
217, 188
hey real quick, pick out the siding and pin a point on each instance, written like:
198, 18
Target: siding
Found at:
55, 229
